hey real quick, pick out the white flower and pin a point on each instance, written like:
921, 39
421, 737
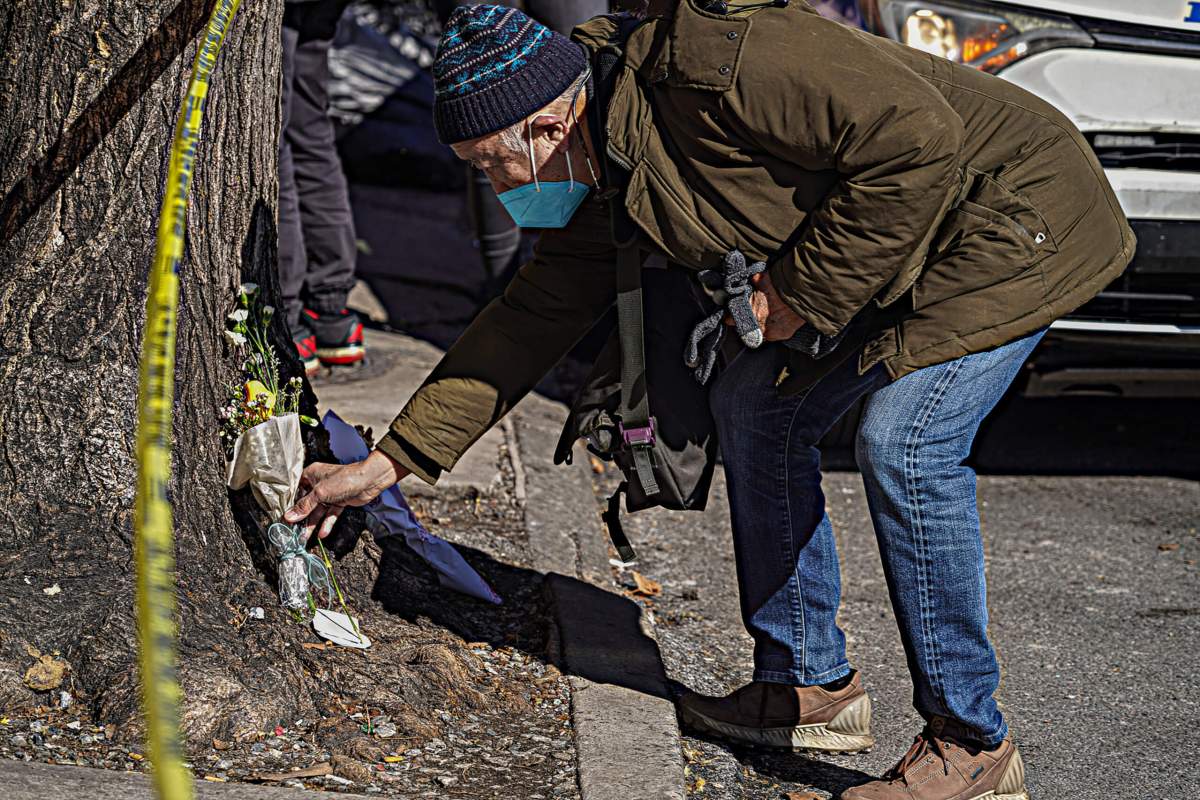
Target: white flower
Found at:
236, 339
268, 311
239, 315
248, 288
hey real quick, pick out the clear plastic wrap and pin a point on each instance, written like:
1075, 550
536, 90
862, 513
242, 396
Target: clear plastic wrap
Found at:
270, 459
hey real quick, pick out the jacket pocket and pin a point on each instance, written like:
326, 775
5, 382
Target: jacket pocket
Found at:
996, 201
991, 236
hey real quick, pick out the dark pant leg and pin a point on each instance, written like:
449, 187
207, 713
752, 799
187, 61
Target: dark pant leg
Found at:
292, 261
324, 200
498, 237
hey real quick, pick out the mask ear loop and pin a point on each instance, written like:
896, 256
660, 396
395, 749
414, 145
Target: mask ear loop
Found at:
532, 166
570, 171
575, 127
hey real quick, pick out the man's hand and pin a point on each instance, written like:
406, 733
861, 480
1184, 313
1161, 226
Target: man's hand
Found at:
775, 317
326, 489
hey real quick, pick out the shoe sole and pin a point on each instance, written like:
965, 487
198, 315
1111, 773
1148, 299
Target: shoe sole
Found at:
835, 736
341, 355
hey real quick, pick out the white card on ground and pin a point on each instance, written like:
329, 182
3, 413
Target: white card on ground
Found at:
337, 628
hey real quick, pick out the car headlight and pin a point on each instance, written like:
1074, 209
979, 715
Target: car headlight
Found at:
981, 35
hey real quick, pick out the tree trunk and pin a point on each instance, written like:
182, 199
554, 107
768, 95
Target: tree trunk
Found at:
87, 110
89, 94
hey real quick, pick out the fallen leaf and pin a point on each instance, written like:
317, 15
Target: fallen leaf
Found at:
1168, 546
52, 590
316, 646
214, 779
597, 465
136, 756
393, 759
646, 586
220, 745
802, 796
315, 771
45, 674
110, 731
279, 730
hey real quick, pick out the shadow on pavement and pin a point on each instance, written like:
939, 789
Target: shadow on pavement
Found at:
1080, 436
408, 588
1091, 436
609, 644
790, 767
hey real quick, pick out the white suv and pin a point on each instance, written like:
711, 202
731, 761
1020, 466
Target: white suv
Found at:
1127, 72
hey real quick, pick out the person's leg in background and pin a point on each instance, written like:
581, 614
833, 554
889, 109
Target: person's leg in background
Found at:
323, 197
914, 436
804, 692
293, 263
498, 238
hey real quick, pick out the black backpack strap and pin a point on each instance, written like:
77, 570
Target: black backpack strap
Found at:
635, 424
616, 531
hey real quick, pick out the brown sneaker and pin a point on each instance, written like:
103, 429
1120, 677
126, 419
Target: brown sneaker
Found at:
794, 717
942, 766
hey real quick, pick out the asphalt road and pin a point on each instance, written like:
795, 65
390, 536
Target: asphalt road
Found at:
1094, 609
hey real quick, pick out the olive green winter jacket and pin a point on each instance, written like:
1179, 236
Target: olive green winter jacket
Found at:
972, 207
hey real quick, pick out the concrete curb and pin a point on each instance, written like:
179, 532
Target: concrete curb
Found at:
33, 781
627, 737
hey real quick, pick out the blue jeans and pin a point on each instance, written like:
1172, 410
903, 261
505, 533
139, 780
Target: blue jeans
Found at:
915, 434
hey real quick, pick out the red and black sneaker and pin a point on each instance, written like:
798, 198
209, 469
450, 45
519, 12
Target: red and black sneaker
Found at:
339, 336
306, 347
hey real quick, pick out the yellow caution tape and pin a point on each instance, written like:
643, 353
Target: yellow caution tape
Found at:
154, 531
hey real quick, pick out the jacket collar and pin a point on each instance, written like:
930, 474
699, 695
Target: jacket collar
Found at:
688, 47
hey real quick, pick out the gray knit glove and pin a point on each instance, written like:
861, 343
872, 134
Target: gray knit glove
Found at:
730, 288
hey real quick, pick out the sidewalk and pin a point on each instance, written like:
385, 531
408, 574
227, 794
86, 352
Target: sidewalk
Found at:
627, 737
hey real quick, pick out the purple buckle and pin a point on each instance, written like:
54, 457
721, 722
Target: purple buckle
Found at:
638, 437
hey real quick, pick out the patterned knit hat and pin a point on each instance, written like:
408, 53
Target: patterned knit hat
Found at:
494, 67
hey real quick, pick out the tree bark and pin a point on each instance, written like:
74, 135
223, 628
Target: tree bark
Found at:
89, 94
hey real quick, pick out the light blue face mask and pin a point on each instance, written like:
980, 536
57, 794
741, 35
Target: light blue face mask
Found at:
546, 205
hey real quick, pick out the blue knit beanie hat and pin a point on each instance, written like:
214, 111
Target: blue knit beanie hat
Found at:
495, 66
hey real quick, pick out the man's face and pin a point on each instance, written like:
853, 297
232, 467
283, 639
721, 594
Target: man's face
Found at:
504, 167
507, 168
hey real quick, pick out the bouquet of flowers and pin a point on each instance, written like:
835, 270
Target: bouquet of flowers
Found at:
261, 428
